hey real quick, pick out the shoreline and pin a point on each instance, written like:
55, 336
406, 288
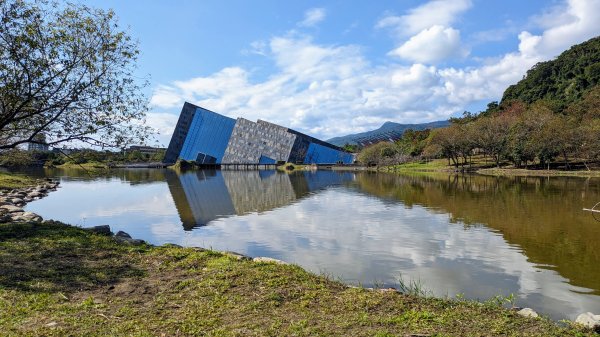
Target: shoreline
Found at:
497, 172
411, 168
435, 318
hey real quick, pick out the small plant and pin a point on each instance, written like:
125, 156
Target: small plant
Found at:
501, 301
413, 287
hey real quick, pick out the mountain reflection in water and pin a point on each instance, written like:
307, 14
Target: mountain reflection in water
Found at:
476, 235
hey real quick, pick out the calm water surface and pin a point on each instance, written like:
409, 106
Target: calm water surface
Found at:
471, 235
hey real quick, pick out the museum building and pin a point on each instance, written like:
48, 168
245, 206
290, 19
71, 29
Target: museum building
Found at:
208, 138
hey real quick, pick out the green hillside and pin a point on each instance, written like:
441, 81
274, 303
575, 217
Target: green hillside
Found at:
563, 80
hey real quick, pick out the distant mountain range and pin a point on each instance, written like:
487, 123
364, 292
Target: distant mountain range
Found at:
389, 130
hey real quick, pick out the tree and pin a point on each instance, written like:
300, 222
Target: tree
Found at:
445, 141
67, 71
413, 142
382, 153
491, 134
544, 130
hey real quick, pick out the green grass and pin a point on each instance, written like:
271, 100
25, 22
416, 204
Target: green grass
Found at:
513, 172
59, 280
482, 166
86, 166
290, 167
9, 181
435, 165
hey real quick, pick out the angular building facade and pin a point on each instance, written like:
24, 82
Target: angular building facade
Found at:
208, 138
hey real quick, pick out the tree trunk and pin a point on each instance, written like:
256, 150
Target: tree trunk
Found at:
566, 160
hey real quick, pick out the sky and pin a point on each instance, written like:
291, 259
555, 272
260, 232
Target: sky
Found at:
331, 68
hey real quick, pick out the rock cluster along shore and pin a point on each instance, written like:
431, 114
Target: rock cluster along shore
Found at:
13, 201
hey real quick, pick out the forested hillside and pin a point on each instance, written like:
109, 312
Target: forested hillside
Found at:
561, 81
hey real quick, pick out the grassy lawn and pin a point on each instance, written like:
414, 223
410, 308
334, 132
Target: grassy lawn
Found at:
59, 280
429, 166
483, 166
8, 180
513, 172
86, 166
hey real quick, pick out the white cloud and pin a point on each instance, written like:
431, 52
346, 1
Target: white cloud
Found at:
166, 97
436, 12
431, 45
312, 17
332, 90
164, 123
574, 22
432, 39
489, 80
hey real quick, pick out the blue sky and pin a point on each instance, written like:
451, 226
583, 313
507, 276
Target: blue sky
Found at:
330, 68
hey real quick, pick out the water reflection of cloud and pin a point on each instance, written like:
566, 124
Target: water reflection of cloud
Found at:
362, 247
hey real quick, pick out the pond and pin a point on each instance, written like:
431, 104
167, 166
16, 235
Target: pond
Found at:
466, 235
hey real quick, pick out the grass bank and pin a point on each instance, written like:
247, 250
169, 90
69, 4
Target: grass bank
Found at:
482, 166
9, 181
513, 172
59, 280
435, 165
91, 166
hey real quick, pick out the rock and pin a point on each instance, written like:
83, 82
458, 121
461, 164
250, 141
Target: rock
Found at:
102, 229
527, 312
16, 200
29, 215
11, 208
268, 260
121, 234
589, 320
237, 256
51, 324
129, 240
388, 290
35, 195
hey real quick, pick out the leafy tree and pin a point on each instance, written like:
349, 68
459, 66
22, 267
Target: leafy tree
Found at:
67, 71
446, 141
352, 148
413, 142
544, 128
491, 134
466, 118
382, 153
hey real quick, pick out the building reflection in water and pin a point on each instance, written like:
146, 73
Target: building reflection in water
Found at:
202, 196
